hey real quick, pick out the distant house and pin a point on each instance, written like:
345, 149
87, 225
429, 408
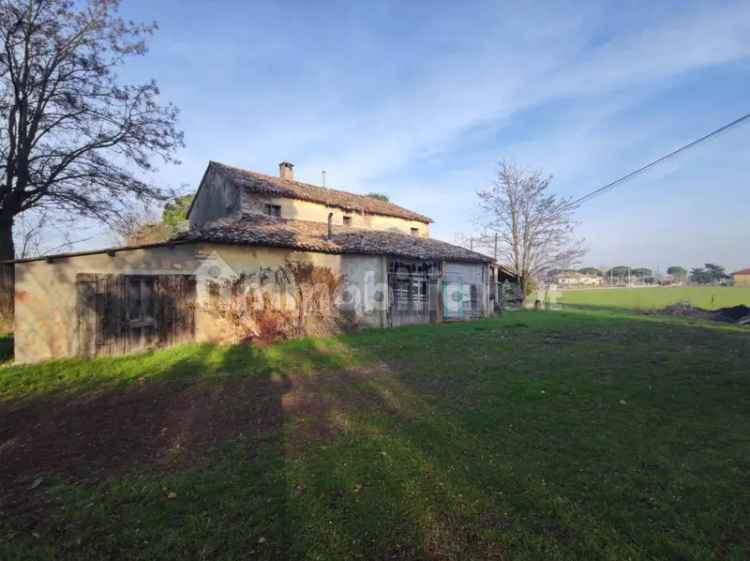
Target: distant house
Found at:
266, 257
570, 279
741, 278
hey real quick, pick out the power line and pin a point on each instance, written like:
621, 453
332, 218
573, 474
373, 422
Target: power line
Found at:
632, 174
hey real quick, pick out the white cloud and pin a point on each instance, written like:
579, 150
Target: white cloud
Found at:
492, 80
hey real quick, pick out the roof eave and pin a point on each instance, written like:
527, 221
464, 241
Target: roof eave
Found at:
338, 251
111, 250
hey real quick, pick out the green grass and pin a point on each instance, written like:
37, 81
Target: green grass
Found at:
185, 363
539, 435
709, 297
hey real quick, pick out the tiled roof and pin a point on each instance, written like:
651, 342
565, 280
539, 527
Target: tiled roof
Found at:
275, 186
312, 236
742, 272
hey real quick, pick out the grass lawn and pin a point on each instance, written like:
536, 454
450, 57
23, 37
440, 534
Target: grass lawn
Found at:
708, 297
536, 436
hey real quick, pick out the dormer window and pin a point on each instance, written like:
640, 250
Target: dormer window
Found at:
273, 210
415, 231
347, 220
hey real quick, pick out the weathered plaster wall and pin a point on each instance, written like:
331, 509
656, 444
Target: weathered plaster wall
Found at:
271, 284
366, 293
473, 274
46, 293
216, 198
294, 209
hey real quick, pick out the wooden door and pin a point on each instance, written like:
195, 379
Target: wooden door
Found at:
125, 313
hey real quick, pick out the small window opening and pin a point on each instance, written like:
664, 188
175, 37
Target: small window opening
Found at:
415, 231
273, 210
347, 220
141, 305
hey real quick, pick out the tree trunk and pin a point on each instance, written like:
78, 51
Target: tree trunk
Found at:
7, 248
523, 282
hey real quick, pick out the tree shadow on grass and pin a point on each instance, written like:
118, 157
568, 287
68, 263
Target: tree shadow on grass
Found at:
196, 460
202, 430
263, 456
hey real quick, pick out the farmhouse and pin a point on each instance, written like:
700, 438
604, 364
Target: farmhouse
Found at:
741, 278
265, 257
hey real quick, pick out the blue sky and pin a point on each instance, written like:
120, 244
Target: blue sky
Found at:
421, 99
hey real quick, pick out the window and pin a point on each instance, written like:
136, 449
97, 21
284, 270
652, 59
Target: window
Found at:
347, 220
140, 300
273, 210
410, 284
415, 231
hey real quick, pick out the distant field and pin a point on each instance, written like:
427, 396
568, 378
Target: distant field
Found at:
710, 297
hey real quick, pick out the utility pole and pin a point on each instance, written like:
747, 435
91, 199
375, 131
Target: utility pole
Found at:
495, 253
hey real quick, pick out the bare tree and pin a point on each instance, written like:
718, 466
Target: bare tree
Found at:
534, 228
71, 136
28, 235
35, 228
468, 241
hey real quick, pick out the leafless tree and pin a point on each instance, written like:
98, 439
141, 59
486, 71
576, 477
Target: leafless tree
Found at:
28, 235
534, 228
35, 230
468, 241
72, 137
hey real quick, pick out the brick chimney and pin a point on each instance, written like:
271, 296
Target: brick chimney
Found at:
286, 170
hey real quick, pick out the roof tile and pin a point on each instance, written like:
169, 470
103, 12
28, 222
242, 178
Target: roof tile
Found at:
312, 236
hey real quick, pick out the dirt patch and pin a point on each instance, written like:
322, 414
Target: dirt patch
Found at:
158, 423
168, 425
734, 540
739, 315
685, 310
